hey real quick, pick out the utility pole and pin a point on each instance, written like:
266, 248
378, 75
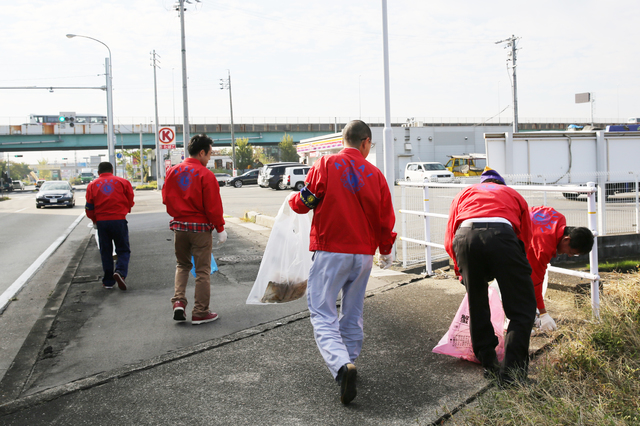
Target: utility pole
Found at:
226, 84
140, 162
511, 43
185, 101
156, 125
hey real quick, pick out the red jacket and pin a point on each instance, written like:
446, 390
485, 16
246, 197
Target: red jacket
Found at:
548, 230
108, 198
488, 200
354, 211
192, 194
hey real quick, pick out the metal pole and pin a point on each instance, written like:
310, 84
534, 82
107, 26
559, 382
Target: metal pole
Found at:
185, 101
403, 203
140, 162
233, 139
111, 141
387, 135
515, 85
593, 256
637, 208
427, 232
159, 180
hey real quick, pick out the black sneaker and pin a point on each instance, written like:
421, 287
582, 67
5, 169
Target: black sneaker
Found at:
120, 280
347, 378
493, 372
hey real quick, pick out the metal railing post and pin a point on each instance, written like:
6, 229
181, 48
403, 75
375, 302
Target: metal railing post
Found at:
593, 256
637, 207
427, 231
403, 203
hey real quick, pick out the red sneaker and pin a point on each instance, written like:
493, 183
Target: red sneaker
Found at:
178, 311
120, 280
211, 316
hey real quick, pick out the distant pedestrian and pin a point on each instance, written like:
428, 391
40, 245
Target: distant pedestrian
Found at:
109, 200
487, 236
353, 216
192, 196
552, 236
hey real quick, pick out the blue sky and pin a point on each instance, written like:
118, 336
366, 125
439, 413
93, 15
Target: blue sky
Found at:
322, 59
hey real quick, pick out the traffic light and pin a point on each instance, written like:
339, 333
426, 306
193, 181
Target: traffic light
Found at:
17, 155
67, 118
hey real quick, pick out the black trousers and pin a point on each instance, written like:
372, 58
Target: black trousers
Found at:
483, 252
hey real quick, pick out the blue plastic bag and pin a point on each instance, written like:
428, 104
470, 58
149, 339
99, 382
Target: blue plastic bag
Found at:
214, 266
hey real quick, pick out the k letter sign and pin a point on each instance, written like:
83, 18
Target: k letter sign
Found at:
167, 137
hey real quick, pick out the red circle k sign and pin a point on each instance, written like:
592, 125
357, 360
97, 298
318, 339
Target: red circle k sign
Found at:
166, 137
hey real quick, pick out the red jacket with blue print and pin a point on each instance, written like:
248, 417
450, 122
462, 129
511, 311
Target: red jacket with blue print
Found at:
192, 194
108, 198
353, 210
488, 200
548, 230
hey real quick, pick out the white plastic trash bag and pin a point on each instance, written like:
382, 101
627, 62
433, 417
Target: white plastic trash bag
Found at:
285, 265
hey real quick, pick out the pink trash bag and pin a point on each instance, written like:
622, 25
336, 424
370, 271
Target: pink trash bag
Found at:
457, 341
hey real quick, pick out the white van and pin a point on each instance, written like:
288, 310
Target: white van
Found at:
294, 177
432, 171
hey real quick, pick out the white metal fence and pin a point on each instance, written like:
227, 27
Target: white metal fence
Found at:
425, 210
618, 206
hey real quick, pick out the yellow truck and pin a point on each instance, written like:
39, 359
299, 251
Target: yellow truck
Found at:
467, 164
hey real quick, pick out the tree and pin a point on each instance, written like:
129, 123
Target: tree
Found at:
134, 154
244, 153
44, 174
17, 171
262, 157
288, 151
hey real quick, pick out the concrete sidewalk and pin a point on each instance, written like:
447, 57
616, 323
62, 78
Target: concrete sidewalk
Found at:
120, 359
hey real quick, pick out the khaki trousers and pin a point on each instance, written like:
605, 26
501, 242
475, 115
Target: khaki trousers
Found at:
199, 245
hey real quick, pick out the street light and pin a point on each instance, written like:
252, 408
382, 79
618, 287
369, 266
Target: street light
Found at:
109, 75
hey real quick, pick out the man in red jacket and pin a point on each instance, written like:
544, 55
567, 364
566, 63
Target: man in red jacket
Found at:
108, 201
353, 216
192, 196
552, 236
487, 236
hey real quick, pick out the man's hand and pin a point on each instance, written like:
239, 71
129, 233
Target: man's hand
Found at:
386, 260
547, 323
222, 237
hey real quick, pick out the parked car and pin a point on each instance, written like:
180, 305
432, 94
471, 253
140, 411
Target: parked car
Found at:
18, 184
248, 178
271, 175
56, 193
223, 178
294, 177
39, 183
432, 171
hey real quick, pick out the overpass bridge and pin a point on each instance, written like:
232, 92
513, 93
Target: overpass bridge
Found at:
61, 137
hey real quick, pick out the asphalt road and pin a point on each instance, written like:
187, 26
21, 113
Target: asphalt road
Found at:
26, 232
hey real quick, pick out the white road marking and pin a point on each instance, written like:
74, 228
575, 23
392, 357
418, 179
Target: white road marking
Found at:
17, 285
18, 211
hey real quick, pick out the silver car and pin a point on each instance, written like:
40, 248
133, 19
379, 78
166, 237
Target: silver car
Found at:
56, 193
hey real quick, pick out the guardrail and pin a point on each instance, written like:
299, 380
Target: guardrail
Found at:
425, 214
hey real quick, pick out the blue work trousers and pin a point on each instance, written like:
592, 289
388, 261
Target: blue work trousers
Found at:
110, 232
339, 337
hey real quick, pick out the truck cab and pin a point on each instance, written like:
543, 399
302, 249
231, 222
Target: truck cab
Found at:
86, 177
466, 165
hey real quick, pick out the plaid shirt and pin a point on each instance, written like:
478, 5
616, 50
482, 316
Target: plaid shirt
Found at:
175, 225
